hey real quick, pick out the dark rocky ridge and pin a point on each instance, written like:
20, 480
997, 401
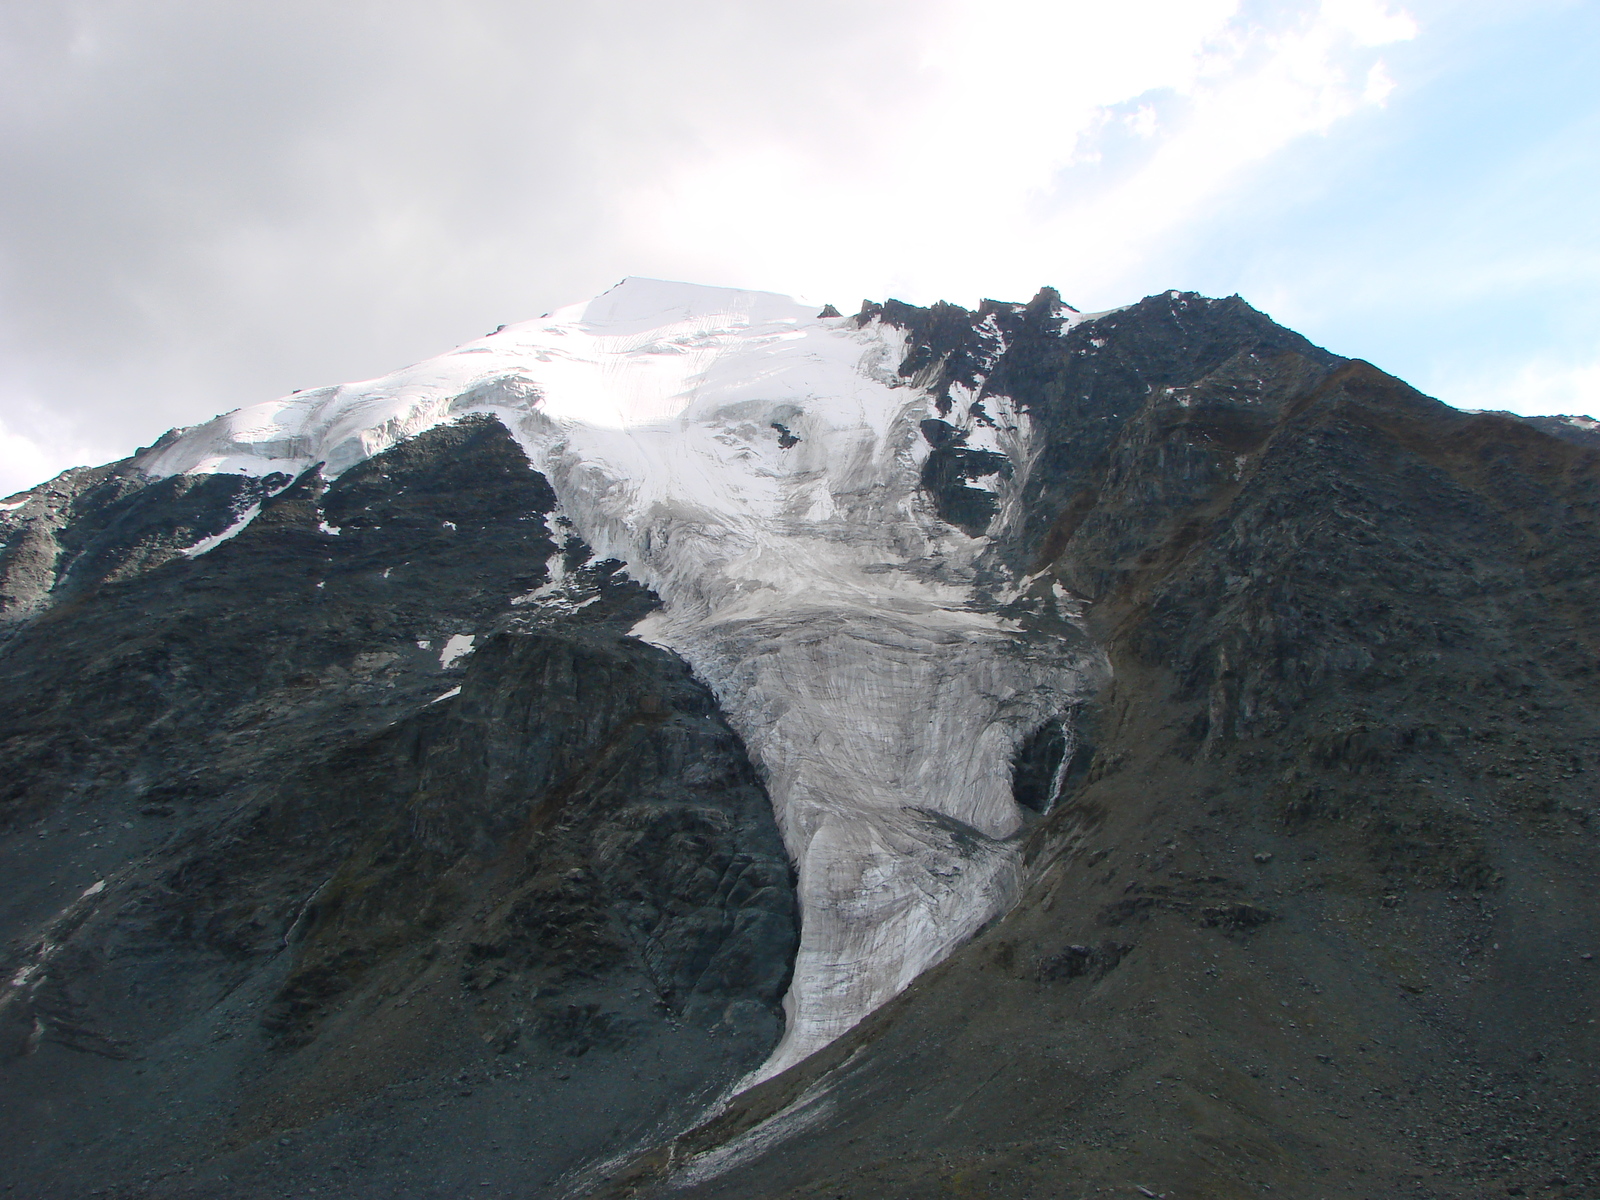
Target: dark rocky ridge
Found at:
1319, 919
352, 935
1309, 899
1580, 431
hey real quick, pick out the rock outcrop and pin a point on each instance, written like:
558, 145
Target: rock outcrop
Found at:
303, 890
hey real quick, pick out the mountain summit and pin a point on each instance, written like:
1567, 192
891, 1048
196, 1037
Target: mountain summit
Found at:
696, 744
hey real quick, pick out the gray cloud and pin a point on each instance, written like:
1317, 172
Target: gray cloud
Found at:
203, 205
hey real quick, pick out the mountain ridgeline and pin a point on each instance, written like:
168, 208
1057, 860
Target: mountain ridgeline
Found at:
1202, 802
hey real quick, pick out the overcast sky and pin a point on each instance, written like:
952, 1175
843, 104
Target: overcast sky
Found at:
208, 204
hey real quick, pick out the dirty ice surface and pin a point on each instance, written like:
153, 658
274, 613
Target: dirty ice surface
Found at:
758, 466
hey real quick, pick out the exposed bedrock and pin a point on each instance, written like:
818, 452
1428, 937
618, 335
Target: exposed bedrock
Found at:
339, 871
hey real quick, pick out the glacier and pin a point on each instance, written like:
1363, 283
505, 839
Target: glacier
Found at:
758, 466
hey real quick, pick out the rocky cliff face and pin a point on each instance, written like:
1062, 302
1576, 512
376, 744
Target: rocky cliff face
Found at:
1141, 751
300, 890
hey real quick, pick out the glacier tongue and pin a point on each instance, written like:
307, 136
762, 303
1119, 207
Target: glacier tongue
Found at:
758, 466
886, 739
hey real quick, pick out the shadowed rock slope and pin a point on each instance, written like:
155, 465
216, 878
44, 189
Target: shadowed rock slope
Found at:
296, 898
1318, 918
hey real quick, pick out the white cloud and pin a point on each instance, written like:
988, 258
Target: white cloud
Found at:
1380, 86
1369, 22
22, 461
993, 152
1533, 389
43, 451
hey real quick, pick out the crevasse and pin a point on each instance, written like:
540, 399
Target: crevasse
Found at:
758, 467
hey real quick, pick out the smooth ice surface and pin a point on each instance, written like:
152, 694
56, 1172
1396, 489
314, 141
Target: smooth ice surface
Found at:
854, 639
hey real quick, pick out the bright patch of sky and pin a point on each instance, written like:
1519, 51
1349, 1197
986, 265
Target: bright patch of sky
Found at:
204, 206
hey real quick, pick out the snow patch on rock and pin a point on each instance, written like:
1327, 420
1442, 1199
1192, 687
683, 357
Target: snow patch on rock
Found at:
207, 544
457, 647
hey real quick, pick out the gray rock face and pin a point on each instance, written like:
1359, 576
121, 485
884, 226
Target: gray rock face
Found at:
280, 852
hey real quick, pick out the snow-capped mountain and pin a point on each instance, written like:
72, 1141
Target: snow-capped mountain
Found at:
566, 760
